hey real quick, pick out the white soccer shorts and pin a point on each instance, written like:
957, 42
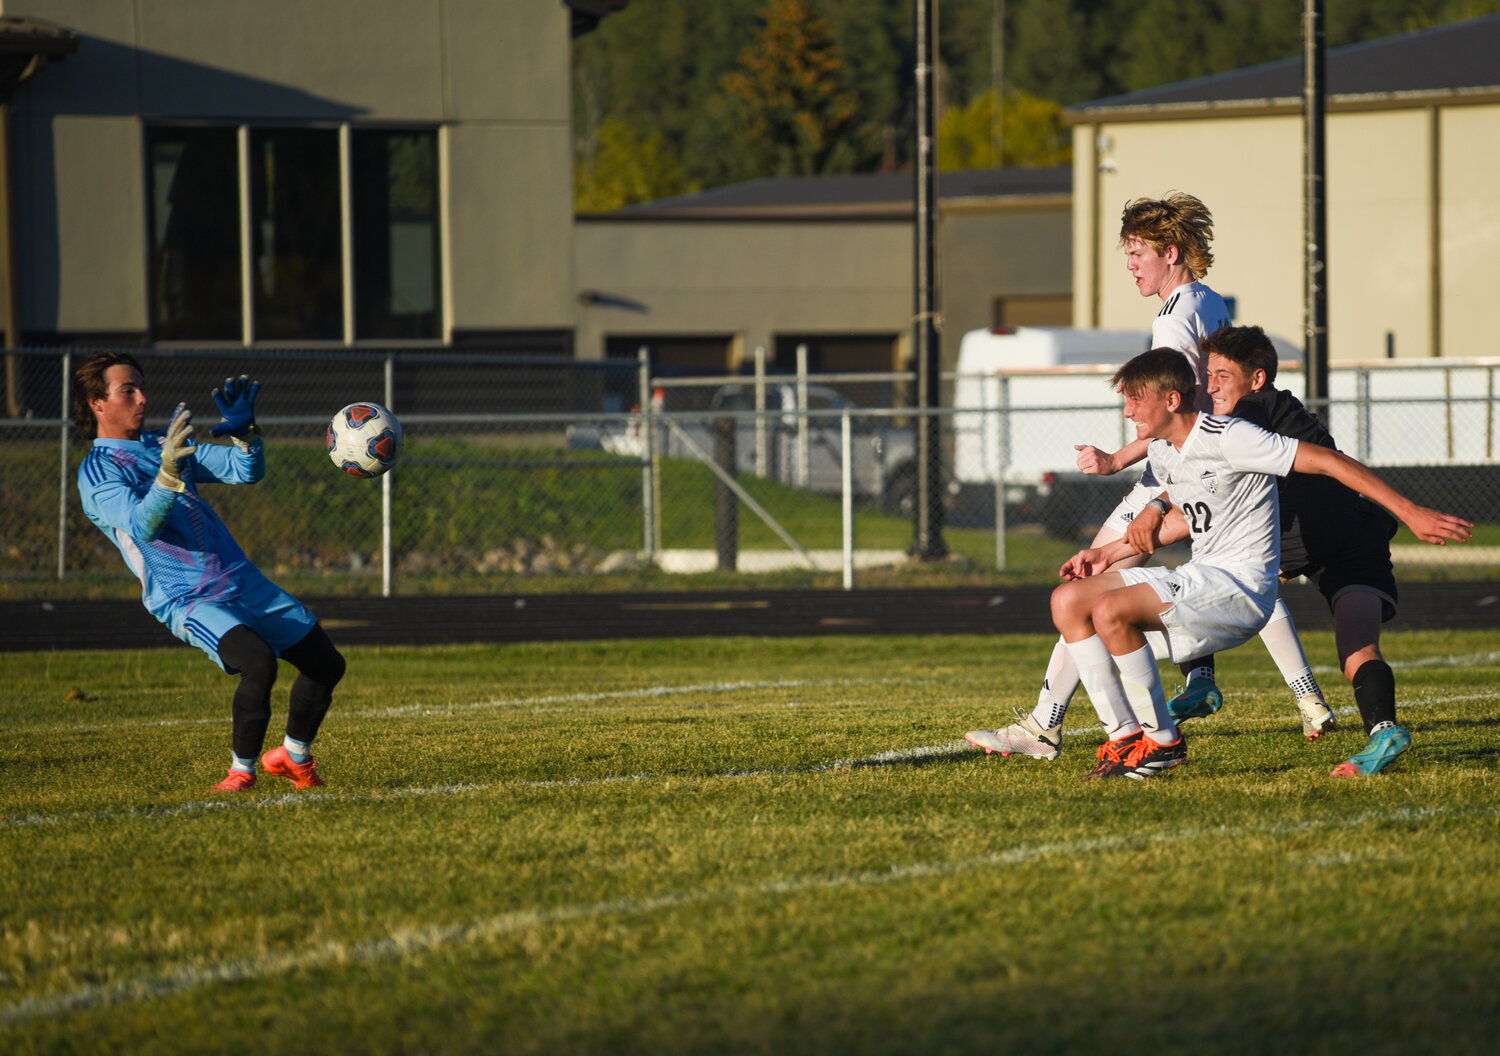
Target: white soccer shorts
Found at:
1211, 611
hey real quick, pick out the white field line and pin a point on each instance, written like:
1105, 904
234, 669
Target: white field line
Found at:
546, 702
404, 943
291, 799
953, 749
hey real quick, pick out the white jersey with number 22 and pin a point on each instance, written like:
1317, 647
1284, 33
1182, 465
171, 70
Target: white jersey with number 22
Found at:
1224, 481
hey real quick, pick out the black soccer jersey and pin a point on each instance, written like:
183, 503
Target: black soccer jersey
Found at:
1319, 515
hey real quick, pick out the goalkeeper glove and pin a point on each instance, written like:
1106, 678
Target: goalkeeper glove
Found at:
176, 449
236, 402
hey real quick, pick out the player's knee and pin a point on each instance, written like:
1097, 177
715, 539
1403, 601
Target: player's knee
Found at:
1068, 605
326, 669
245, 652
259, 668
1106, 612
334, 672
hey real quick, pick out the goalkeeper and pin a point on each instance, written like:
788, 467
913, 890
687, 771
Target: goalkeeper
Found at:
141, 489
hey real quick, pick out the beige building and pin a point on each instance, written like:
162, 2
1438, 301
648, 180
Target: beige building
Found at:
1413, 205
296, 172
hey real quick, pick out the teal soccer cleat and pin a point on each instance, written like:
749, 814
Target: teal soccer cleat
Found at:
1386, 745
1200, 700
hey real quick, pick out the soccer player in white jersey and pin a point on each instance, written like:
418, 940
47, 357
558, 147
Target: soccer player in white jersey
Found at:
1166, 243
1219, 475
141, 490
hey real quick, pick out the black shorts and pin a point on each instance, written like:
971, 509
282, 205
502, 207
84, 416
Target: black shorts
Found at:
1342, 549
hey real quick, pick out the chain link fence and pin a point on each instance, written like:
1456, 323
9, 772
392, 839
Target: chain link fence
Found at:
530, 473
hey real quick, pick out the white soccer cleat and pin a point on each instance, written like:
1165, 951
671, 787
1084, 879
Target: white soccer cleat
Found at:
1025, 737
1317, 716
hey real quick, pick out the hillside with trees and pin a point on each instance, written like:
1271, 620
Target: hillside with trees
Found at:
672, 96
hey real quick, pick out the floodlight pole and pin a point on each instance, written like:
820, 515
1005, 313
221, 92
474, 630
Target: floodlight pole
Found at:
1315, 230
928, 516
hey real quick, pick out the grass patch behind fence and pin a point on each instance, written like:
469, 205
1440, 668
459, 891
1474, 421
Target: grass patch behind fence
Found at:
737, 845
507, 514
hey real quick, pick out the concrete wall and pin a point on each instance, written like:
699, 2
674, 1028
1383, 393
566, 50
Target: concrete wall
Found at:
751, 280
494, 74
1469, 225
994, 250
757, 279
1407, 254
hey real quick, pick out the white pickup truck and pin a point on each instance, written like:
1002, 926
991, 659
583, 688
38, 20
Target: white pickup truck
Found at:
1023, 397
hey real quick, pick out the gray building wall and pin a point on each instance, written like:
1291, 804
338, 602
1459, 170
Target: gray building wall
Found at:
753, 279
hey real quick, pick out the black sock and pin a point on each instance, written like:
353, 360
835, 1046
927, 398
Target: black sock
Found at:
1375, 693
1187, 667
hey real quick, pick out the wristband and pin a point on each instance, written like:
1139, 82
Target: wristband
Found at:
1161, 504
247, 438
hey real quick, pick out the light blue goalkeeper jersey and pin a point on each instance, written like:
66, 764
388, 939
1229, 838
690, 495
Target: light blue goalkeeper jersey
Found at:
175, 543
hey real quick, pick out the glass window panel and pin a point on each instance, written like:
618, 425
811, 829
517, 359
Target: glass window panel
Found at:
193, 177
396, 263
296, 234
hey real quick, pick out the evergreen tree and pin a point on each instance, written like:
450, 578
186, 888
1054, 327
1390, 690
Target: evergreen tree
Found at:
831, 89
787, 94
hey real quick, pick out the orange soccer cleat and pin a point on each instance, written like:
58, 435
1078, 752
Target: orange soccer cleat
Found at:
303, 775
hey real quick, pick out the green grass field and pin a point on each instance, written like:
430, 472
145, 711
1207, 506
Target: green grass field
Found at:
735, 845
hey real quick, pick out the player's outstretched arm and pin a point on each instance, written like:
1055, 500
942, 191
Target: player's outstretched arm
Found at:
1151, 528
245, 462
236, 402
1095, 560
1097, 461
176, 450
1430, 526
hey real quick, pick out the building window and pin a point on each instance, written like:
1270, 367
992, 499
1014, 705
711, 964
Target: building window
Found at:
296, 235
395, 234
195, 234
342, 246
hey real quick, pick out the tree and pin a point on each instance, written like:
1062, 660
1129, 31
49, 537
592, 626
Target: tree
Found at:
788, 96
627, 166
1031, 133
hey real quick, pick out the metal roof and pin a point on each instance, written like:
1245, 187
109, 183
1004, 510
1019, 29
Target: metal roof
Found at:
884, 195
1460, 59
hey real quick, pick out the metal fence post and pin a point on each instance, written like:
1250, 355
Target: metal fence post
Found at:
62, 469
846, 469
760, 410
804, 456
1489, 415
1002, 432
386, 555
1362, 408
648, 461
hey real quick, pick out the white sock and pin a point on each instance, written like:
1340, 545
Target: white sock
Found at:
244, 766
1280, 636
1100, 677
1058, 687
1142, 683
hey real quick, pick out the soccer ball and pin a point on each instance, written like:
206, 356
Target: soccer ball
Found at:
364, 439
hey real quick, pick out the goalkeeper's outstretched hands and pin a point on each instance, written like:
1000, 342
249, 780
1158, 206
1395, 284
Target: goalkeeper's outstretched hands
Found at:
236, 402
176, 449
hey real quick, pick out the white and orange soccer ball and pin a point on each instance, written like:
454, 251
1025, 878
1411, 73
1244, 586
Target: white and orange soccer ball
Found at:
364, 439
